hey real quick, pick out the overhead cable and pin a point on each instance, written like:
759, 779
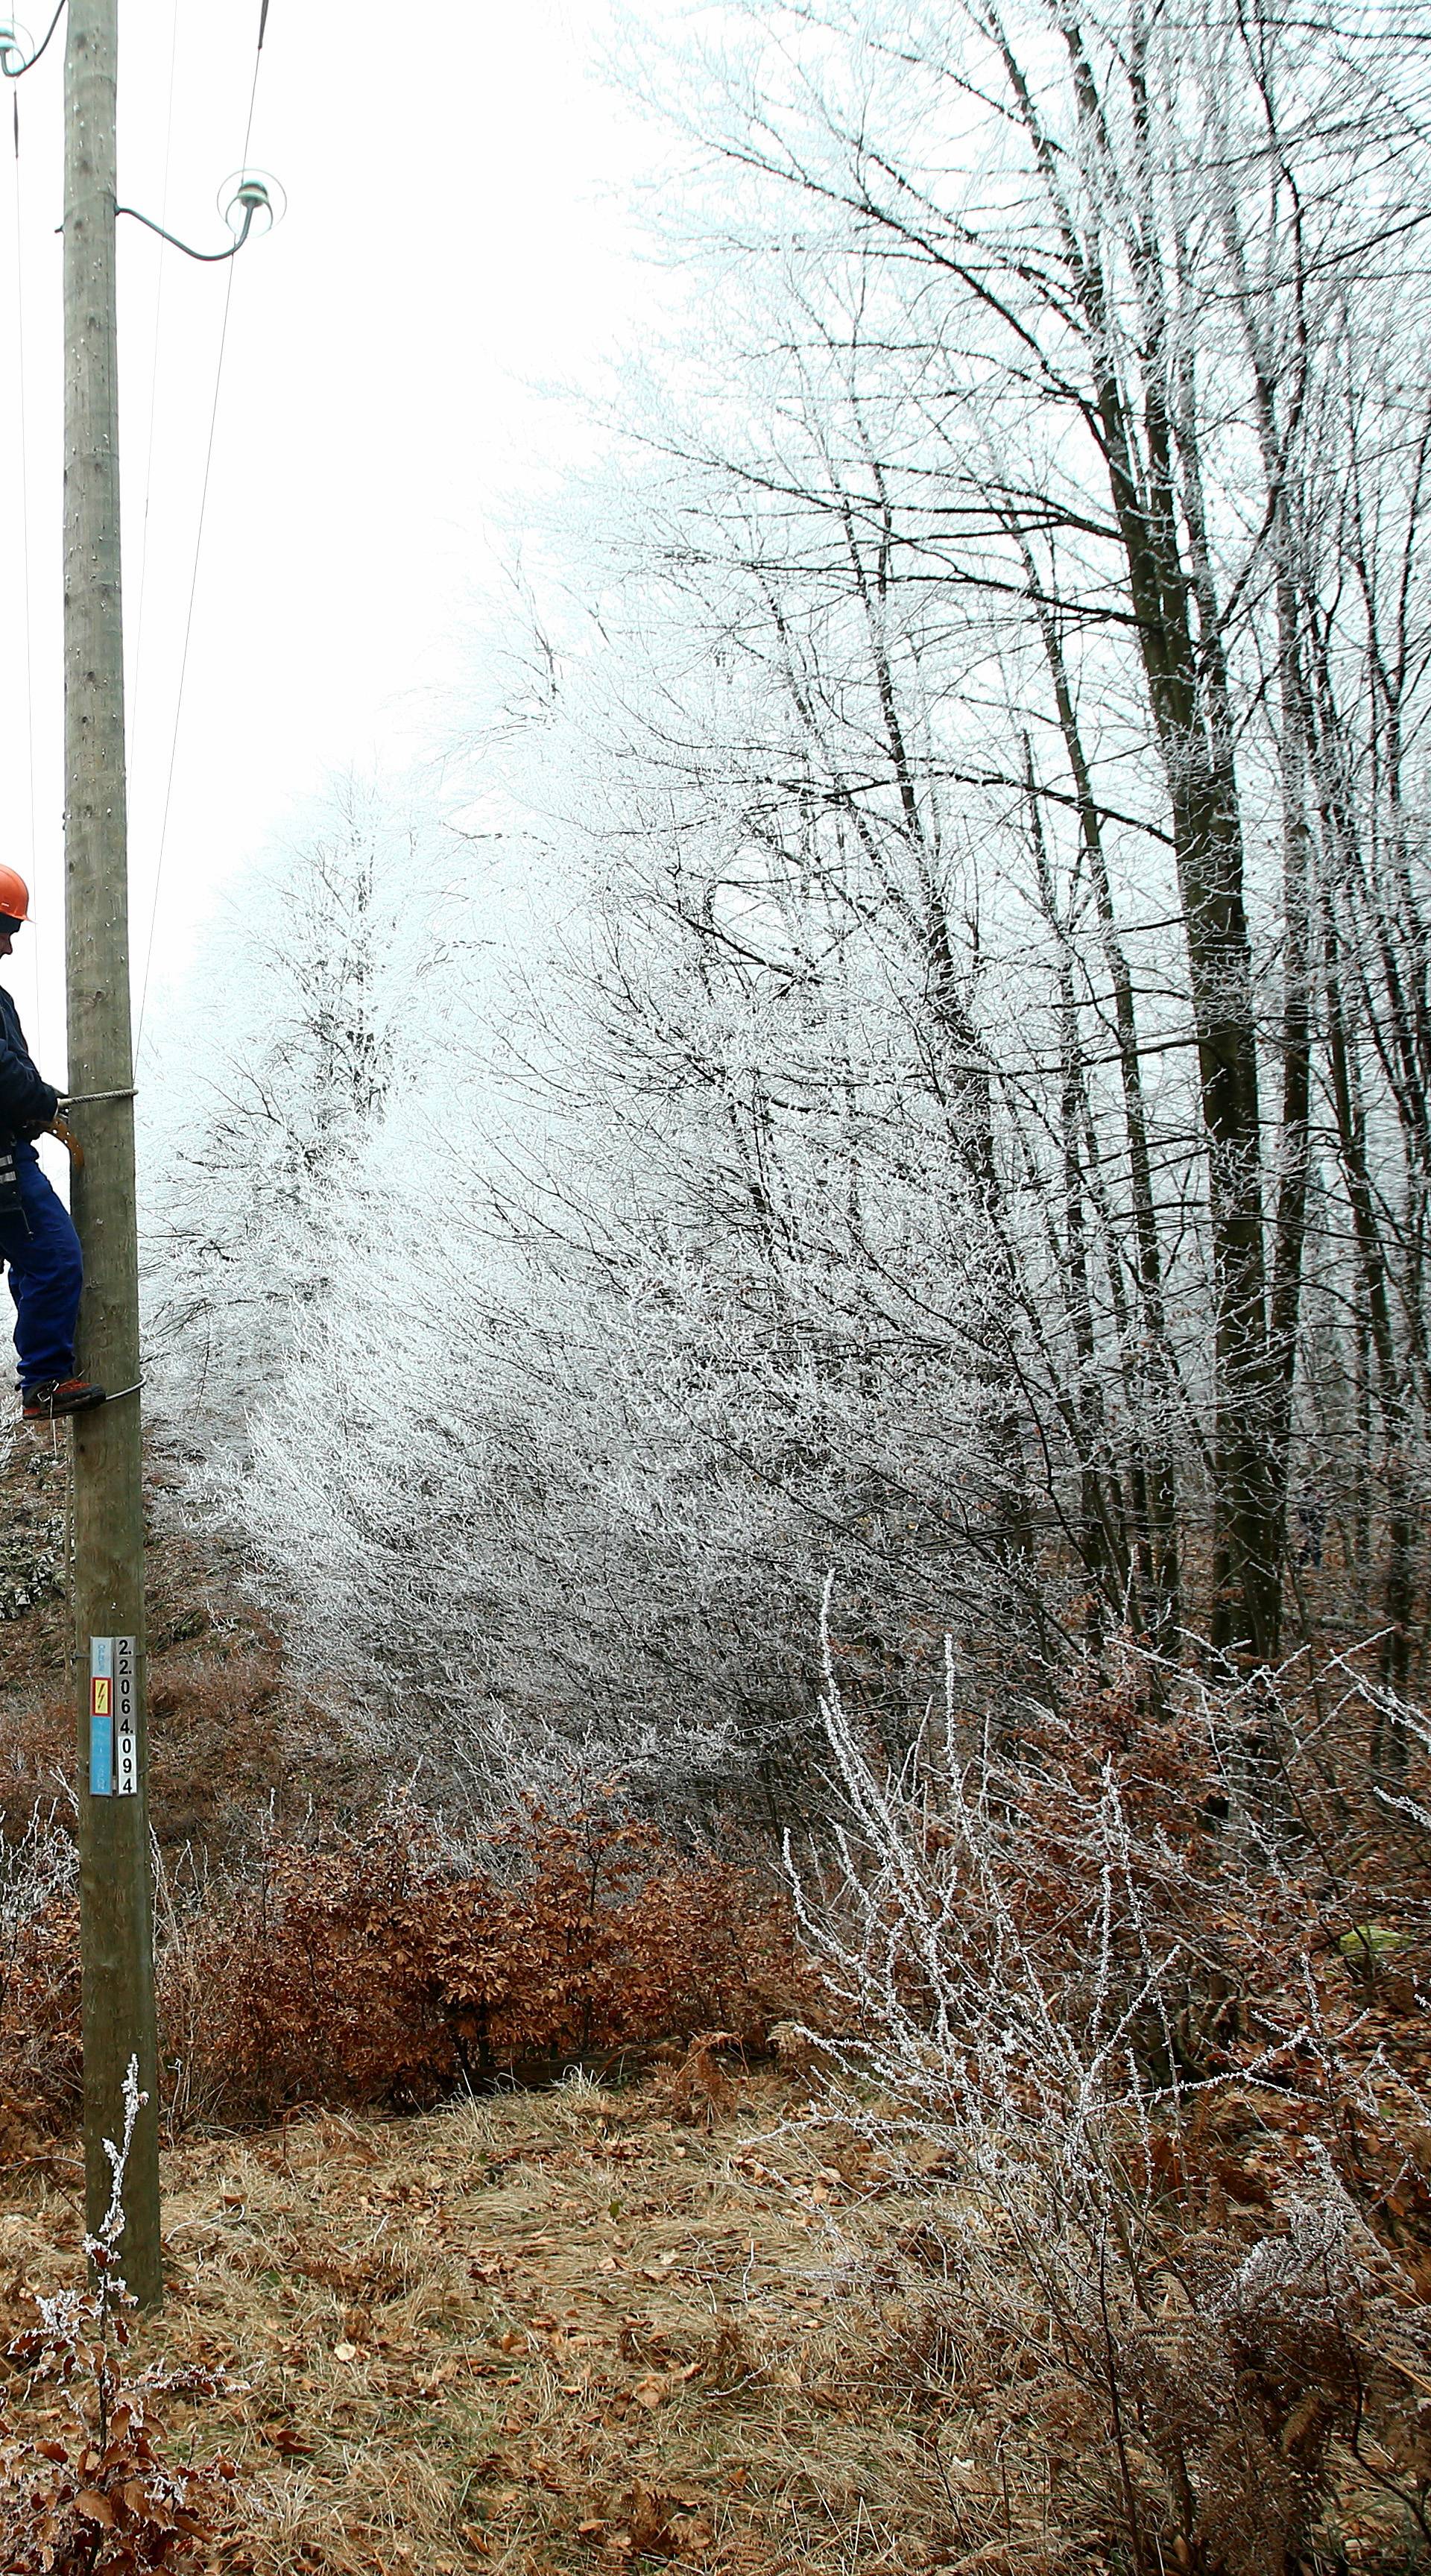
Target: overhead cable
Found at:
9, 46
22, 405
134, 700
198, 550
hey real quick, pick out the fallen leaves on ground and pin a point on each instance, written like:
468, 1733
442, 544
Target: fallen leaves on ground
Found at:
551, 2331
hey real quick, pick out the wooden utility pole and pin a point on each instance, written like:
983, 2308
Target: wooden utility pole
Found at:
116, 1894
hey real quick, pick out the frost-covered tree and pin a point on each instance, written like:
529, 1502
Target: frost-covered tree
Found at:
319, 990
1085, 372
950, 1101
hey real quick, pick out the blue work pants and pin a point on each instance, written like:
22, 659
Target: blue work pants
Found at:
42, 1250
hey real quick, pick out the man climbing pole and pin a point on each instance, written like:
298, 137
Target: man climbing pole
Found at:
37, 1237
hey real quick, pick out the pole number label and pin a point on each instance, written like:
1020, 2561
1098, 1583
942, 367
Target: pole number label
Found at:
113, 1743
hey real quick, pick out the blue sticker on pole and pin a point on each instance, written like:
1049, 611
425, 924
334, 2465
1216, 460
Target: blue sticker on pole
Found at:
101, 1717
113, 1718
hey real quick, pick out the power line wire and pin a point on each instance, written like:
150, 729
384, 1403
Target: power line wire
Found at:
19, 69
194, 580
25, 524
153, 404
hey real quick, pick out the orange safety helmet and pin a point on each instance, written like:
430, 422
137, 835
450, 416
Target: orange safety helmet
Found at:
14, 896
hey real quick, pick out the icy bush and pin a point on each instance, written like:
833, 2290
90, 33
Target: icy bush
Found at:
1167, 2239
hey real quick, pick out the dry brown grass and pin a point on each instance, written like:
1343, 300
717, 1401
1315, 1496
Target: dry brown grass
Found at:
540, 2331
691, 2322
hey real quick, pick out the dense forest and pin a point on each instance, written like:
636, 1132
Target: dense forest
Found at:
895, 1043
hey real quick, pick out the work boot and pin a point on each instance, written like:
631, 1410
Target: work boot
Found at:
56, 1395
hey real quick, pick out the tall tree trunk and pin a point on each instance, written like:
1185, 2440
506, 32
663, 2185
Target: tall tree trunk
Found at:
1389, 1746
1152, 1467
1187, 695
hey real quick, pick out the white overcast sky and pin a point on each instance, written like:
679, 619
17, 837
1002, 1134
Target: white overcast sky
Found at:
459, 240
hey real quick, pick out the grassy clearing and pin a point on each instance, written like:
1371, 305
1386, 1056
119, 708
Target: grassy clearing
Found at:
542, 2331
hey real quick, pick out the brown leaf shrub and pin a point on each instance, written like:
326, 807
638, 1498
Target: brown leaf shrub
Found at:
594, 1933
372, 1971
369, 1973
82, 2507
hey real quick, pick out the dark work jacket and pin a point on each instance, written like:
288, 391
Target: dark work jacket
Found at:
26, 1103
